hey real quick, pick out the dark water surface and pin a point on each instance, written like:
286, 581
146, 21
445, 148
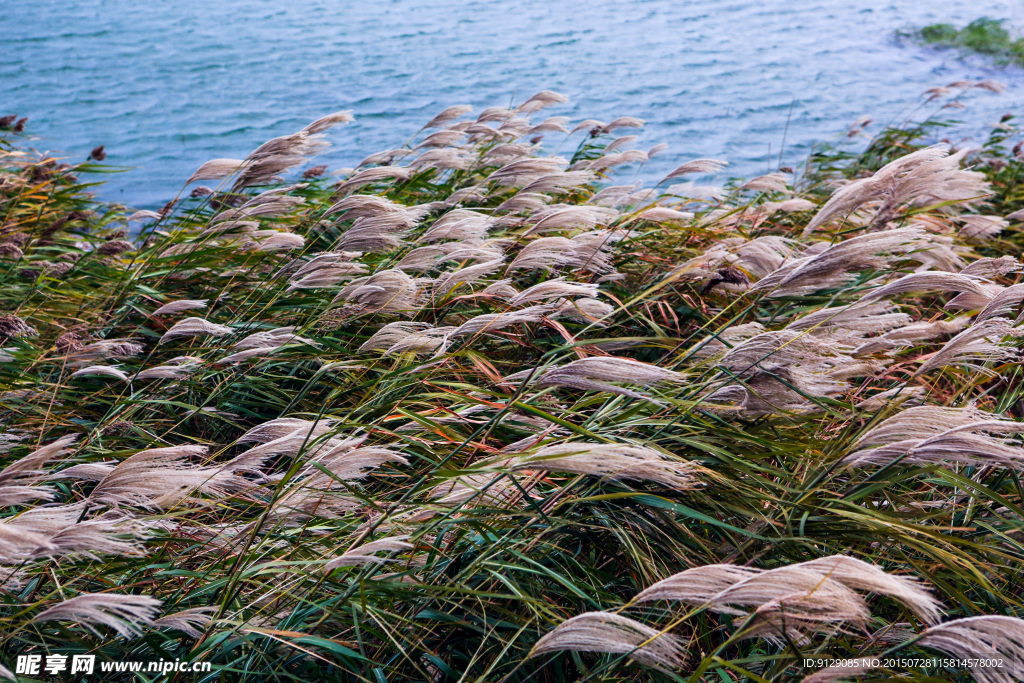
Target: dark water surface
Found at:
168, 85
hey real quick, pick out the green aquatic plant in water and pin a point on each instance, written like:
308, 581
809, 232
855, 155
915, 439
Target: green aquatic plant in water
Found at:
983, 36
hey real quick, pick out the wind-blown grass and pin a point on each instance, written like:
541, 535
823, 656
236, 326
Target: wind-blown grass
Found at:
469, 413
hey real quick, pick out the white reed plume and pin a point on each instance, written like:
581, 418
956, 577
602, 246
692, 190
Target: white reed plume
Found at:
388, 291
18, 480
429, 341
144, 215
101, 371
367, 553
587, 251
773, 182
895, 396
613, 461
448, 115
175, 368
606, 161
306, 438
1003, 304
908, 335
603, 373
326, 122
386, 157
623, 122
368, 176
325, 270
709, 166
967, 436
863, 576
792, 600
67, 532
346, 461
930, 172
501, 289
524, 171
931, 281
546, 253
444, 158
192, 622
375, 234
195, 327
365, 206
18, 545
661, 214
285, 426
159, 478
554, 289
442, 138
524, 201
393, 333
734, 263
488, 488
793, 205
179, 306
458, 224
560, 183
585, 310
564, 217
980, 641
982, 228
852, 321
543, 99
264, 343
215, 169
128, 615
105, 349
979, 343
492, 322
272, 338
606, 632
836, 266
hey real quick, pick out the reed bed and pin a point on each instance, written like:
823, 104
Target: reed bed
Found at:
471, 412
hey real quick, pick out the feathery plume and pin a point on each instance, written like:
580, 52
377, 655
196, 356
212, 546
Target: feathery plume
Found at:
125, 614
606, 632
160, 477
979, 641
389, 291
179, 306
194, 327
603, 373
613, 461
175, 368
836, 265
215, 169
101, 371
188, 621
326, 122
367, 553
979, 343
545, 98
492, 322
449, 114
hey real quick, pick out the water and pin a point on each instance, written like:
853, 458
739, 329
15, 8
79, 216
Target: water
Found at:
166, 86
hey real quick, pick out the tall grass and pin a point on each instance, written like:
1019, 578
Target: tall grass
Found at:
469, 413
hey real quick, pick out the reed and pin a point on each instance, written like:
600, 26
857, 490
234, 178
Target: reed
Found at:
470, 412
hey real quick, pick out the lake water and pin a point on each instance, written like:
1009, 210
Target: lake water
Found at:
168, 85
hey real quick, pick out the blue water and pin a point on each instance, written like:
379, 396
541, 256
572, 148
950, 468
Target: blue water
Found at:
168, 85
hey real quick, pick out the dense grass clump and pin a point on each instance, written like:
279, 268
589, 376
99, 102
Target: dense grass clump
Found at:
470, 412
983, 36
